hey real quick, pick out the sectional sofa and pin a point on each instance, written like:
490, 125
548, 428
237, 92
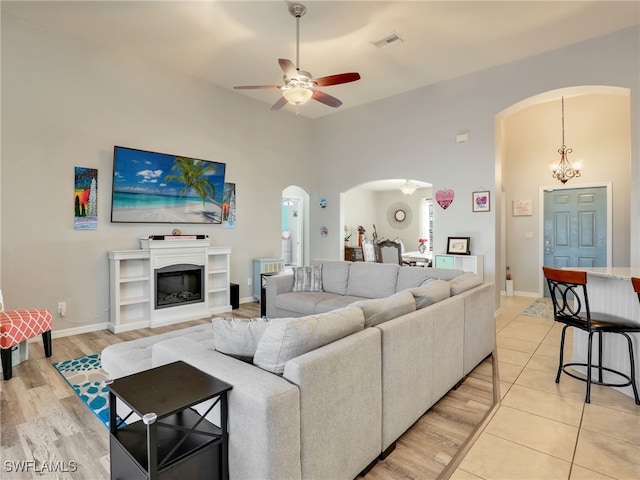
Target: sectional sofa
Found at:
329, 392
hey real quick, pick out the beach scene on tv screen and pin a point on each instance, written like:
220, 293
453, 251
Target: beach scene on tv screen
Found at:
150, 187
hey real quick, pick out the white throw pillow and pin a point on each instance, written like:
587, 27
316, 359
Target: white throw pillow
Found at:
287, 338
238, 337
307, 279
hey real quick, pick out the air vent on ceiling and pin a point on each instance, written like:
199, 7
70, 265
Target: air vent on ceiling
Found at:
393, 37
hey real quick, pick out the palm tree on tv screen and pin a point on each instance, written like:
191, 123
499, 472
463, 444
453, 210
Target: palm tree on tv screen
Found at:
193, 174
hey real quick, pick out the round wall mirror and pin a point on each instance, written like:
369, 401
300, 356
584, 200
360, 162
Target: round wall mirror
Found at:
399, 215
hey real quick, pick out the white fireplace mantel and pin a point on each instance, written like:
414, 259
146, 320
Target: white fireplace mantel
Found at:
132, 277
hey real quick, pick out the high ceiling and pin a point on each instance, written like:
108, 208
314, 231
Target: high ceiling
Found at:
229, 43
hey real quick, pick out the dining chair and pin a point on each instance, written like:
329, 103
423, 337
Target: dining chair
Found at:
568, 289
388, 251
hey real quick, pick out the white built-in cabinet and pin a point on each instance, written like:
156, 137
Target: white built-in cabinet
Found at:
132, 277
468, 263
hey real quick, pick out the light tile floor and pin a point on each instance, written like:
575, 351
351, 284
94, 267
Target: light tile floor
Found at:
544, 430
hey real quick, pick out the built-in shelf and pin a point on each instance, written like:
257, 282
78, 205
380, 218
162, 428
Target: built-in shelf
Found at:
468, 263
132, 274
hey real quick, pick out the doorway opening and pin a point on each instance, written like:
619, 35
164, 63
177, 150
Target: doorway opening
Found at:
294, 214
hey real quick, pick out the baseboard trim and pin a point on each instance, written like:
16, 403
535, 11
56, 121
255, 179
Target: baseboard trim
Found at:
67, 332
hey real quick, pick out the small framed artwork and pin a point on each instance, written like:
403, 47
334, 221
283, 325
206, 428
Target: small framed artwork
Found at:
458, 246
481, 201
523, 208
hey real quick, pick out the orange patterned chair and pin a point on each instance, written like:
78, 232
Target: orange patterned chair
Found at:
16, 326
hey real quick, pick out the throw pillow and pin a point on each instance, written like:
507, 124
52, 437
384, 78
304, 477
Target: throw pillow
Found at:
287, 338
430, 292
307, 279
380, 310
464, 282
238, 337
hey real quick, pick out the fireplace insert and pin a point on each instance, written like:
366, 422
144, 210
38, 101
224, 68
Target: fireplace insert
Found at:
179, 285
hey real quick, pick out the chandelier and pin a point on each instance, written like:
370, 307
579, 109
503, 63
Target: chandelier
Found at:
564, 170
408, 187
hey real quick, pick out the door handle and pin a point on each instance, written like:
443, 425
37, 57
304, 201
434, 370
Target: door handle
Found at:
548, 250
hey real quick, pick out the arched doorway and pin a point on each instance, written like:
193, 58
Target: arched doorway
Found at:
294, 231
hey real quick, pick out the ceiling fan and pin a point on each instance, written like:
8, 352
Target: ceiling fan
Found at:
300, 86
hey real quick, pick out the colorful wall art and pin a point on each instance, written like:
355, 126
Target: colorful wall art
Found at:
229, 206
85, 198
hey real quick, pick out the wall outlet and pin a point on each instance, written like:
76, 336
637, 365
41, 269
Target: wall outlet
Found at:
62, 308
249, 281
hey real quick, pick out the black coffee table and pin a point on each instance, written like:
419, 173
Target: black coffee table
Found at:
172, 439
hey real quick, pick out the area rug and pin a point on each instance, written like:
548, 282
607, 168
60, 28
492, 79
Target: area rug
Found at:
86, 377
542, 308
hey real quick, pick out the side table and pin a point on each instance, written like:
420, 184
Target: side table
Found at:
263, 292
172, 440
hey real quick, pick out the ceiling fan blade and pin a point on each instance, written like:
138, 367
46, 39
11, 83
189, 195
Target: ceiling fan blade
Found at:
337, 79
279, 104
247, 87
326, 99
288, 67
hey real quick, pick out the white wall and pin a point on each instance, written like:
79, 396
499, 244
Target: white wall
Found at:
413, 136
66, 104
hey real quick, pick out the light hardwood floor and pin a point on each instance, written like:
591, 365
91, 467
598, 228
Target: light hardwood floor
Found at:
46, 427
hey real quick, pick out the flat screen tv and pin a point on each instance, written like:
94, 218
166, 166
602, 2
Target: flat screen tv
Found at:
150, 187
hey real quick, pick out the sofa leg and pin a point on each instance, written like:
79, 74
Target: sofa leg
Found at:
368, 468
387, 452
46, 340
6, 363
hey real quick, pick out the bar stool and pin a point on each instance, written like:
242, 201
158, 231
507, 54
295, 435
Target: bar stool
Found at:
568, 309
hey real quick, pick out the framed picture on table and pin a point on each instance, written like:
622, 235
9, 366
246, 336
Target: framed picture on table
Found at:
458, 246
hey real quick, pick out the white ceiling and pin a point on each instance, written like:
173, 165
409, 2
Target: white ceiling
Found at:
231, 43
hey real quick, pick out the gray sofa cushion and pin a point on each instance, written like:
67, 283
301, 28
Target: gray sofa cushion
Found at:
307, 279
443, 273
430, 292
411, 277
372, 280
379, 310
287, 338
303, 302
335, 275
238, 337
338, 301
464, 282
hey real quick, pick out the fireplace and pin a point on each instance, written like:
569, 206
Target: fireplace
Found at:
179, 285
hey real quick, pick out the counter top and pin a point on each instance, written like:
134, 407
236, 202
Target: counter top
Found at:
620, 273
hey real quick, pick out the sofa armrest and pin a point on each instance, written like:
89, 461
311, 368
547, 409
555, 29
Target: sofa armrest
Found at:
340, 404
264, 411
276, 285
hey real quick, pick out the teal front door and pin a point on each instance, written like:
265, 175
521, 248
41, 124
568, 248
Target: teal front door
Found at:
575, 228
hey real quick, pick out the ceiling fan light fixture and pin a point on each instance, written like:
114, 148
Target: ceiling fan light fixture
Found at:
408, 187
297, 95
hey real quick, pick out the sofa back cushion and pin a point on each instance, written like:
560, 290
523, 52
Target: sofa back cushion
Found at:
287, 338
464, 282
380, 310
372, 280
238, 337
411, 277
443, 273
335, 275
430, 292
